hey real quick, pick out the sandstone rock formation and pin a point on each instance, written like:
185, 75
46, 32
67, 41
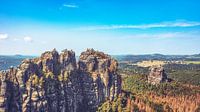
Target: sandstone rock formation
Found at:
157, 75
57, 83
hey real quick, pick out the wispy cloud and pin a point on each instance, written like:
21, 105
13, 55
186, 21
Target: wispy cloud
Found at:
28, 39
155, 35
168, 24
165, 35
70, 5
3, 36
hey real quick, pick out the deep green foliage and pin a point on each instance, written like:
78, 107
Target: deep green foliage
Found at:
138, 84
132, 69
183, 73
118, 105
186, 74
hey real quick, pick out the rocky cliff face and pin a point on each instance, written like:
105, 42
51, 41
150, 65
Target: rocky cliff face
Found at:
57, 83
157, 75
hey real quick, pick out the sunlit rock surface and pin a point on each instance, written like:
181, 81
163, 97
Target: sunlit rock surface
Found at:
157, 75
57, 83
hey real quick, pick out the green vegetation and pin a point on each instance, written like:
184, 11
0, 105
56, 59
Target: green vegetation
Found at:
132, 69
185, 84
136, 87
49, 75
118, 105
36, 81
138, 84
63, 77
192, 62
185, 74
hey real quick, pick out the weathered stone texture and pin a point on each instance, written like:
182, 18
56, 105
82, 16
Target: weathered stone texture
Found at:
57, 83
157, 75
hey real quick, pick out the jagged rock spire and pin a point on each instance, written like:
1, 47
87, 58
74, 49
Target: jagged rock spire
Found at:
56, 83
157, 75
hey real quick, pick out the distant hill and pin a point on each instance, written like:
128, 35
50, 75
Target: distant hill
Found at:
11, 60
136, 58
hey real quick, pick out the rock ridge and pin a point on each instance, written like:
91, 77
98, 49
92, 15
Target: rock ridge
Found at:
57, 82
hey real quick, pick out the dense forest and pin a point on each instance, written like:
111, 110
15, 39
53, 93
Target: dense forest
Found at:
181, 94
183, 73
138, 95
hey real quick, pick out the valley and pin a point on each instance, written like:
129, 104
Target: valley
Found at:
180, 93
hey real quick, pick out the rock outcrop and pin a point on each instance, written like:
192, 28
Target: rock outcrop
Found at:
157, 75
57, 83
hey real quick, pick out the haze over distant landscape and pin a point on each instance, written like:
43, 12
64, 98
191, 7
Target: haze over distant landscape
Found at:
99, 56
29, 27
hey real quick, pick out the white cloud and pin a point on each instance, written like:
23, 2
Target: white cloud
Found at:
28, 39
164, 35
3, 36
158, 35
169, 24
70, 5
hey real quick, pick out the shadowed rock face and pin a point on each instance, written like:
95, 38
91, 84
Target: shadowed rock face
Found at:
56, 83
157, 75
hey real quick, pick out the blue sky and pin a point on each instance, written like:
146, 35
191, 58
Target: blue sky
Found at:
31, 27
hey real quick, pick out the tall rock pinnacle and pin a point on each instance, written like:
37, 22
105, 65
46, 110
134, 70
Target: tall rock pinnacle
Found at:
57, 83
